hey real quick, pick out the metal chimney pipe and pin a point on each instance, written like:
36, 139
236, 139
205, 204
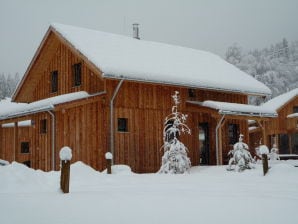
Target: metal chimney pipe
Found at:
135, 29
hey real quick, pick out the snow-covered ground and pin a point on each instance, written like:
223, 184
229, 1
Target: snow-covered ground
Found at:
206, 195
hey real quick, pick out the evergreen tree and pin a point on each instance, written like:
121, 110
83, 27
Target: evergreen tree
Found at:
175, 160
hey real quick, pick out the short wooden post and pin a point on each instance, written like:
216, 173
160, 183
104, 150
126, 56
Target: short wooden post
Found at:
265, 163
65, 157
109, 158
65, 174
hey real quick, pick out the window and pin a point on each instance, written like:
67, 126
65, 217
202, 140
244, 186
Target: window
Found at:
123, 124
77, 74
191, 93
43, 126
27, 163
25, 147
54, 81
233, 132
295, 109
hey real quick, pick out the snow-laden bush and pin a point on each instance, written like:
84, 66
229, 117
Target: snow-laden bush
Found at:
175, 159
241, 158
273, 155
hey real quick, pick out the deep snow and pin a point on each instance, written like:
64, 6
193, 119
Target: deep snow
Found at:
206, 195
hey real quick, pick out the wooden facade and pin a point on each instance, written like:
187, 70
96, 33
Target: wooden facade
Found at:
84, 125
282, 130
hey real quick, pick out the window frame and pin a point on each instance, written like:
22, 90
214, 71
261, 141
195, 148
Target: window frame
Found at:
192, 93
122, 124
77, 74
25, 147
234, 129
43, 126
54, 81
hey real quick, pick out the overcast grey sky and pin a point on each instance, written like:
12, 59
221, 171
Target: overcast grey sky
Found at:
211, 25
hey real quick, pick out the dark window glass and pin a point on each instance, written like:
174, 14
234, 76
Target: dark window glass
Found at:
295, 143
123, 124
27, 163
43, 126
54, 81
25, 147
191, 93
77, 74
284, 144
233, 131
295, 109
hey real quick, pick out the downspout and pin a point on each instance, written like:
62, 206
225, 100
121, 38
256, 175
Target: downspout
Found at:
216, 138
53, 138
112, 117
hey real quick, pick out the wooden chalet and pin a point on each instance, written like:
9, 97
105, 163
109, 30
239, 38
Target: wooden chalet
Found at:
281, 130
97, 92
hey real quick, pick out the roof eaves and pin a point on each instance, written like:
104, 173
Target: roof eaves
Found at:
183, 85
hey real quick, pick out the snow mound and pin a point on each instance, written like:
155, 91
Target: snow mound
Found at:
17, 177
120, 169
3, 162
81, 168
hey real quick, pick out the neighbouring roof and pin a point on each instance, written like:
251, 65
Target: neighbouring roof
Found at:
125, 57
237, 109
292, 115
279, 101
10, 109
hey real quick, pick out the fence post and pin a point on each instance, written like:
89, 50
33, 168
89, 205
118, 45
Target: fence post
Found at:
65, 157
109, 158
265, 163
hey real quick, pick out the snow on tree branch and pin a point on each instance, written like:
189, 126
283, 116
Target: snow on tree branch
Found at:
175, 158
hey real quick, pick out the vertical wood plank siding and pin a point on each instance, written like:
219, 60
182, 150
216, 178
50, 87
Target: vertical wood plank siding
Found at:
84, 126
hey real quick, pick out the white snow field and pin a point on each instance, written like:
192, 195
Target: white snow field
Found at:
206, 195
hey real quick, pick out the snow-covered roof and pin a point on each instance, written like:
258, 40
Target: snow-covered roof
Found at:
120, 56
10, 109
292, 115
236, 108
277, 102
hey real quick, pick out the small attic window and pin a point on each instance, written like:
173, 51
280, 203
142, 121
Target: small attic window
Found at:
295, 109
43, 126
77, 74
54, 81
191, 93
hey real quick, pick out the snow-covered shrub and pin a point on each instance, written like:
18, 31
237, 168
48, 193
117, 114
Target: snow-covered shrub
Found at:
175, 159
273, 155
241, 157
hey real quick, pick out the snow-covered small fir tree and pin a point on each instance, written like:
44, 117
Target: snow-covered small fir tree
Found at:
273, 155
241, 157
175, 159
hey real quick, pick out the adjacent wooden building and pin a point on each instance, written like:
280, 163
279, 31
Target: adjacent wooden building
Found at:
97, 92
281, 130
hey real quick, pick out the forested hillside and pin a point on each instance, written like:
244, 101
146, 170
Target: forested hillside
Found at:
8, 84
276, 66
